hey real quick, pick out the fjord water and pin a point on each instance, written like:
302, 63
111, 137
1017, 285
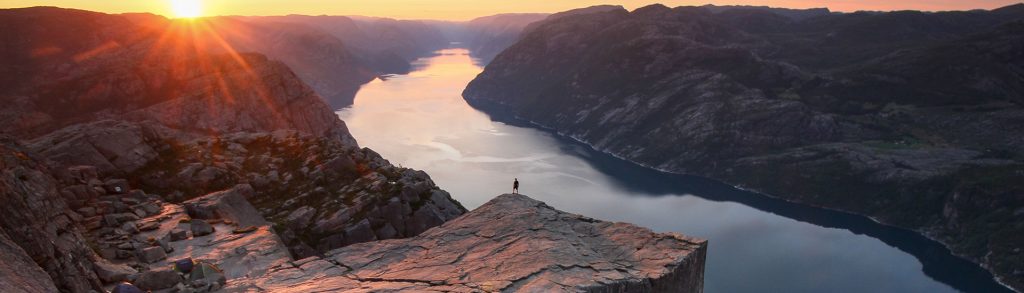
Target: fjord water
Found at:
756, 243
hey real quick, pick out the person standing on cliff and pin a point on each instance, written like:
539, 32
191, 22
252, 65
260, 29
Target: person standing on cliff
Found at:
515, 186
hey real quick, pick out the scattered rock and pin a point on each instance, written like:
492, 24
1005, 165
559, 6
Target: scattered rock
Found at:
116, 186
360, 233
152, 254
123, 254
206, 277
157, 279
139, 212
184, 265
151, 208
301, 217
130, 228
149, 226
231, 204
87, 211
178, 234
109, 272
200, 228
333, 223
164, 242
82, 174
244, 230
126, 288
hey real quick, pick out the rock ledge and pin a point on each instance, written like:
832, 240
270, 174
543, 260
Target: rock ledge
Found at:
512, 243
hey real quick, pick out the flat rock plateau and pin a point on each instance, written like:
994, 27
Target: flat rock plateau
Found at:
512, 243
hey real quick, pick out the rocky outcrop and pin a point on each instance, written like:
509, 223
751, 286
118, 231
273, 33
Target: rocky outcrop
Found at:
18, 273
134, 124
43, 231
911, 118
110, 146
337, 194
512, 243
229, 205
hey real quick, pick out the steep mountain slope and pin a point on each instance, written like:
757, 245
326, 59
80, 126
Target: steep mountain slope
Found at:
911, 118
487, 36
384, 45
328, 64
409, 39
132, 110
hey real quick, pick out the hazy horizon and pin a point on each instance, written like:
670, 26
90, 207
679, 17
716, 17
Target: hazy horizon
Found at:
460, 10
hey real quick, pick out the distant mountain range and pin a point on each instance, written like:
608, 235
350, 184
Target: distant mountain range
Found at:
912, 118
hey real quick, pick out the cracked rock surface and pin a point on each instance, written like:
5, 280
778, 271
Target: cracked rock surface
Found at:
512, 243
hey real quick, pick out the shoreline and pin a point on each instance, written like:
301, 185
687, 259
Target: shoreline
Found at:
485, 108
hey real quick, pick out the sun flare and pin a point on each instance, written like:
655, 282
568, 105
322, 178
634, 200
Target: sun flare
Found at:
186, 8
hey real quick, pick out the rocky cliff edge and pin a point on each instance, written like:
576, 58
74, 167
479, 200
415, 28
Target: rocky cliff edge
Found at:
512, 243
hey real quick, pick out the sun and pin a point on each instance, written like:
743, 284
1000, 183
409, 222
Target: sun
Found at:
187, 8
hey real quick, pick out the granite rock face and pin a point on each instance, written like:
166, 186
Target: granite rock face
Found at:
18, 272
918, 126
37, 219
512, 243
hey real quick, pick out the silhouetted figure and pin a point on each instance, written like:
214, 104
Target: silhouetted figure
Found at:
515, 186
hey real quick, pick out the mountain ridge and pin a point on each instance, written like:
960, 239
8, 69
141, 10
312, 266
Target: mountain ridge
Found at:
825, 110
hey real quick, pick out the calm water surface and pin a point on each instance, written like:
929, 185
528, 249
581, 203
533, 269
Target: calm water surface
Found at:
756, 244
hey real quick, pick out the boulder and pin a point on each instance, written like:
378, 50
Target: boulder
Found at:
151, 208
200, 228
164, 242
109, 272
87, 211
184, 265
360, 233
300, 217
386, 232
81, 192
111, 220
149, 226
126, 288
130, 227
332, 224
82, 173
116, 186
206, 277
158, 279
232, 205
178, 234
151, 254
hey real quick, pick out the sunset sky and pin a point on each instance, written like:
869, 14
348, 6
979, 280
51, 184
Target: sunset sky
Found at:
458, 9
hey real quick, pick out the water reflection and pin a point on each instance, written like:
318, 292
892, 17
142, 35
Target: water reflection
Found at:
757, 243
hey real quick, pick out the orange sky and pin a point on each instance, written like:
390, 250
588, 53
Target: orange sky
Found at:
467, 9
